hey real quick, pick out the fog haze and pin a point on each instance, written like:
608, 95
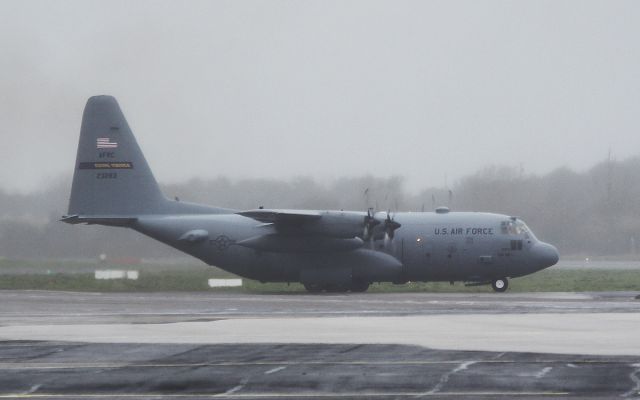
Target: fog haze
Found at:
422, 90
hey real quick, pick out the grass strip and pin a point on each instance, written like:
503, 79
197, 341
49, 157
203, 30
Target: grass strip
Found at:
196, 280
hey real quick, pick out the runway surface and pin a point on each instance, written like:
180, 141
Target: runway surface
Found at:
236, 345
38, 307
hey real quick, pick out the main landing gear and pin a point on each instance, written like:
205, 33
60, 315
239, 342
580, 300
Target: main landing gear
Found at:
359, 286
500, 284
355, 287
313, 287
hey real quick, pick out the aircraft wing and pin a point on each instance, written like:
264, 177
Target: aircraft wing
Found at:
313, 223
283, 217
306, 230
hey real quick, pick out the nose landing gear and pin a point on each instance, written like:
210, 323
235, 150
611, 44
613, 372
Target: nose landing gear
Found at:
500, 284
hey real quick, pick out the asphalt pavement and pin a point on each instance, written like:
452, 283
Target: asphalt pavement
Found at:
395, 345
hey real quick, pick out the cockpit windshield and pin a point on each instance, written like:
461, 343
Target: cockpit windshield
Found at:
516, 227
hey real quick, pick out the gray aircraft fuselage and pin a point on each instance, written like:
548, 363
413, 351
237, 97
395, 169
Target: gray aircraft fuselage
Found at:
325, 250
429, 246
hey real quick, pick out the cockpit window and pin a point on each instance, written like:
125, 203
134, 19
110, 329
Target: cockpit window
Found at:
516, 227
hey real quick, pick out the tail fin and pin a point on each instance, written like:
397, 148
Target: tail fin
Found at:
111, 176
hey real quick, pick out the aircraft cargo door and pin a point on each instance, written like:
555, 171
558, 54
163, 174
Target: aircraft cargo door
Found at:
445, 261
417, 256
427, 260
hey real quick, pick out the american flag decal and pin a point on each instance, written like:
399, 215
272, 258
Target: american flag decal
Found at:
105, 143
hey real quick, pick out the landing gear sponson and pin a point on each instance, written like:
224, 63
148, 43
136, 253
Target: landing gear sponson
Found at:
499, 285
354, 287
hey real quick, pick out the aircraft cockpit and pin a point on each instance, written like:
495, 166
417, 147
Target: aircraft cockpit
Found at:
516, 227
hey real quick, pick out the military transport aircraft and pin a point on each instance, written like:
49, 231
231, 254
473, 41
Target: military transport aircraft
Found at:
333, 251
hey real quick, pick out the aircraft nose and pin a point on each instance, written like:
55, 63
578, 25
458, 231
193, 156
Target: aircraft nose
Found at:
545, 254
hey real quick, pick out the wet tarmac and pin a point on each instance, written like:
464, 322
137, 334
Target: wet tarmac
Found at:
76, 370
203, 345
37, 307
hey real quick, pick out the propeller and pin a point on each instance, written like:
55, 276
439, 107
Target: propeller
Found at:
379, 227
390, 226
370, 223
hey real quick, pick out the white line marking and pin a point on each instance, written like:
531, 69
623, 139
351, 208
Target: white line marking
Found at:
463, 366
543, 372
445, 378
635, 378
234, 389
34, 388
499, 356
272, 371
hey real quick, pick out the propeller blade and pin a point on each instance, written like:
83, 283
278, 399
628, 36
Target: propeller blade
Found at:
370, 223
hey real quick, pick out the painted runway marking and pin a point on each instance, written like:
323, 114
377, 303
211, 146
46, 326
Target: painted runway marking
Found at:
274, 370
235, 389
33, 389
635, 378
539, 374
445, 378
543, 372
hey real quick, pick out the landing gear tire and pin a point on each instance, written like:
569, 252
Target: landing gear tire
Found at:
500, 285
359, 286
313, 287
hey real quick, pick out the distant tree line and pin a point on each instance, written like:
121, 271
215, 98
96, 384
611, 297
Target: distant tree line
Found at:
592, 213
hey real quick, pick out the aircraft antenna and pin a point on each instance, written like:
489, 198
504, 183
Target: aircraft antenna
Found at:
366, 198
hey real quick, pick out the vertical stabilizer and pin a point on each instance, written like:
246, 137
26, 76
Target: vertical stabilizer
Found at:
111, 176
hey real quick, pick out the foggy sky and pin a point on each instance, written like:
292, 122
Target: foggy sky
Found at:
422, 89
